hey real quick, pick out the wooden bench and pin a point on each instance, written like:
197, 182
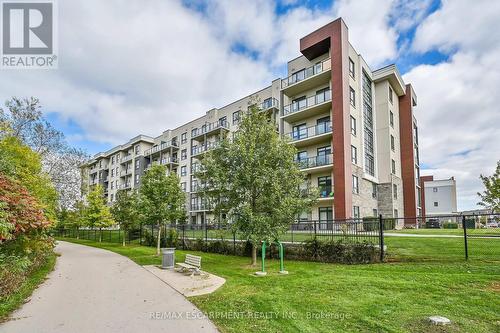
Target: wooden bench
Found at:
191, 263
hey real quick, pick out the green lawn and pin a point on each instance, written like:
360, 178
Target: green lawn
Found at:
460, 232
423, 277
15, 300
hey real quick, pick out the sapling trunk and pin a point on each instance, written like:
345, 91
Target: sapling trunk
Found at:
124, 233
254, 255
158, 242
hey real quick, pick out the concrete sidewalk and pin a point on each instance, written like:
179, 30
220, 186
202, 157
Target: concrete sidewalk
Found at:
94, 290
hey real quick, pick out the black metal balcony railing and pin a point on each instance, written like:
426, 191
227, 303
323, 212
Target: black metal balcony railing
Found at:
162, 146
307, 102
316, 161
326, 191
205, 147
309, 132
197, 167
207, 128
169, 160
306, 73
200, 206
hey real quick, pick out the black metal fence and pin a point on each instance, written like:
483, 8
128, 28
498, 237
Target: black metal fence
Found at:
431, 238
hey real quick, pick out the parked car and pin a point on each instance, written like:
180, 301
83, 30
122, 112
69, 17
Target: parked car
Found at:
492, 224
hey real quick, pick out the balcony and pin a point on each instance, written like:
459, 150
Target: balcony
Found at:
196, 168
104, 179
310, 106
199, 207
163, 146
307, 78
325, 193
310, 135
93, 170
315, 163
126, 172
199, 150
126, 158
169, 160
211, 128
125, 186
268, 104
196, 187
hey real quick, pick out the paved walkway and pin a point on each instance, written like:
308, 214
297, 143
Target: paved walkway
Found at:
94, 290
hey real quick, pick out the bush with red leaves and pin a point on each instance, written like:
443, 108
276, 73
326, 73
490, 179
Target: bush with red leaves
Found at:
21, 210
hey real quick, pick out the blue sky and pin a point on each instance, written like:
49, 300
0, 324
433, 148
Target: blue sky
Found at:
128, 67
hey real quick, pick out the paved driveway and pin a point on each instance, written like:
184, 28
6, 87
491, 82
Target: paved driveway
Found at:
94, 290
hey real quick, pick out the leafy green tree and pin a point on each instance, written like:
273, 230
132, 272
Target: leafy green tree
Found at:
125, 211
21, 163
254, 181
490, 198
97, 213
161, 199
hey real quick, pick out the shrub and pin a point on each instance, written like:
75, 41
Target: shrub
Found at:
172, 238
450, 225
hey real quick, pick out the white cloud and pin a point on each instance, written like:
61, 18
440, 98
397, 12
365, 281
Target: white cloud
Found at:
132, 68
458, 108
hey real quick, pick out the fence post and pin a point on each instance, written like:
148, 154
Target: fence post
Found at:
183, 236
381, 237
314, 229
464, 226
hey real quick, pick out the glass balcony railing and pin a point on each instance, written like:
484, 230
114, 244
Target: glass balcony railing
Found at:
316, 161
169, 160
306, 73
308, 102
310, 132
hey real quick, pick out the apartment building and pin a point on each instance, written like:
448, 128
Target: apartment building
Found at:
439, 196
354, 129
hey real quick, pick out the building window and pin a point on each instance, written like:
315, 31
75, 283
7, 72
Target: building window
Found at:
393, 146
375, 212
112, 160
299, 132
183, 186
396, 214
353, 126
236, 117
137, 164
183, 154
434, 189
325, 214
352, 96
355, 212
355, 184
137, 149
325, 186
223, 121
374, 190
137, 179
393, 167
112, 197
368, 125
391, 119
112, 172
436, 204
351, 68
194, 132
183, 171
390, 94
395, 191
112, 185
354, 155
183, 138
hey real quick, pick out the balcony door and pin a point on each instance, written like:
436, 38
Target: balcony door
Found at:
323, 125
323, 155
299, 132
325, 218
325, 186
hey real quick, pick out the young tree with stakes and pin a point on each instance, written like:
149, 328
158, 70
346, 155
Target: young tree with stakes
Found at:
254, 181
161, 199
97, 214
125, 211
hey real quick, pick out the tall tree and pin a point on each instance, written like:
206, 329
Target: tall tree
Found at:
97, 213
23, 119
490, 197
161, 199
254, 180
125, 211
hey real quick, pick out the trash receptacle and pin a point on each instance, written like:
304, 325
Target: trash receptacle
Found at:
167, 258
